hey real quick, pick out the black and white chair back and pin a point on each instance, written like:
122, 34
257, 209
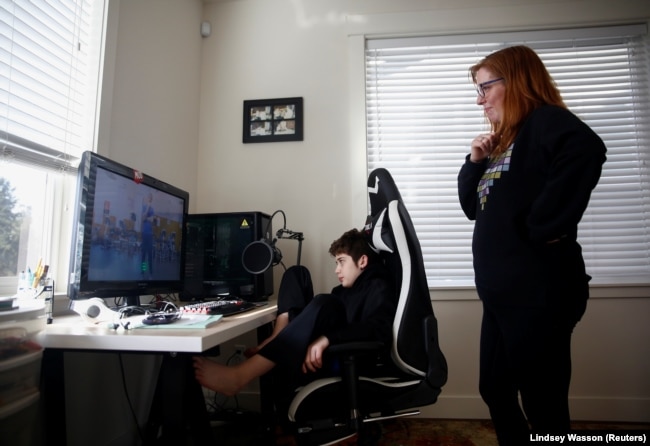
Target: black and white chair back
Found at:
329, 409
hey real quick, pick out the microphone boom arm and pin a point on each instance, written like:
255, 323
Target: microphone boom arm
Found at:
291, 235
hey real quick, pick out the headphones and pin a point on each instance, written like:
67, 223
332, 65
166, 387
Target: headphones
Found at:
167, 313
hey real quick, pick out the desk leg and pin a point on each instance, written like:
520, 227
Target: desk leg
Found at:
178, 408
53, 397
267, 405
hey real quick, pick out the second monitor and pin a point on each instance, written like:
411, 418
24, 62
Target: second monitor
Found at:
214, 246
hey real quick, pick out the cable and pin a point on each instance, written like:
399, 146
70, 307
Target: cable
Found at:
268, 225
128, 399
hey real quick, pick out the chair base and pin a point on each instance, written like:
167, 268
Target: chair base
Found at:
327, 432
322, 435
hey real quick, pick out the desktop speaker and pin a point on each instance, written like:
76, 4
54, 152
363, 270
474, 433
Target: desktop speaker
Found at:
94, 310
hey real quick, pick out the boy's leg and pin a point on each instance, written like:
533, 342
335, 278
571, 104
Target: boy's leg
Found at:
229, 380
289, 347
296, 291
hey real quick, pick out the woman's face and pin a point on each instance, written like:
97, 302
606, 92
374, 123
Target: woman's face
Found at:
492, 103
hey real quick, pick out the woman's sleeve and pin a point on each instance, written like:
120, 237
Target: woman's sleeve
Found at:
468, 178
575, 155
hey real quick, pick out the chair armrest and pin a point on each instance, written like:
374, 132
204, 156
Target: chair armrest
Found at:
354, 348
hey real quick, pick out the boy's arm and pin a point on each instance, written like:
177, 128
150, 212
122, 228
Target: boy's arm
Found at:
314, 357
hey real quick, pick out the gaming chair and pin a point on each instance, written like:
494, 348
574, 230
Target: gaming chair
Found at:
330, 409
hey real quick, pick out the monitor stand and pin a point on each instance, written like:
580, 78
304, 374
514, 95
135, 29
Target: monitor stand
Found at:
132, 301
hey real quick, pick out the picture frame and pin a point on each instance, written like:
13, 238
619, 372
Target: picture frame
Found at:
273, 120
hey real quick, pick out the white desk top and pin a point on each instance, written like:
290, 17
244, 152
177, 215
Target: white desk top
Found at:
72, 332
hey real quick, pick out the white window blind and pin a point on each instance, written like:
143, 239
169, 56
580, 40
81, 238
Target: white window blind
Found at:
422, 114
50, 55
50, 64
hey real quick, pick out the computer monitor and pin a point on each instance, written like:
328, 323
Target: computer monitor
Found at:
128, 233
215, 244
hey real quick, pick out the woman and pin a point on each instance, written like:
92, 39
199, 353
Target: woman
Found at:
526, 183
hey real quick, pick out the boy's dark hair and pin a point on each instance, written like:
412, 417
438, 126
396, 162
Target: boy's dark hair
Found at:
353, 243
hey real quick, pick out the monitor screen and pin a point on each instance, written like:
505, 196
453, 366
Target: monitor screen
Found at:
128, 233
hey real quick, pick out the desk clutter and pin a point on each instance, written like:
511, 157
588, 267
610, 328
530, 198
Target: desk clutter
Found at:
161, 313
33, 285
178, 403
223, 307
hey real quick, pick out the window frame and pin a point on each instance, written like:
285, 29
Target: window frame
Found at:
633, 286
59, 164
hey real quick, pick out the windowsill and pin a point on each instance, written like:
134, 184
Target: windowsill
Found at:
596, 291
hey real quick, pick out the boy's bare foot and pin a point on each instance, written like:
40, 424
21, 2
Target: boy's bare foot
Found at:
217, 377
229, 380
251, 351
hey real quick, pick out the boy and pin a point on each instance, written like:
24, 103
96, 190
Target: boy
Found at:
361, 308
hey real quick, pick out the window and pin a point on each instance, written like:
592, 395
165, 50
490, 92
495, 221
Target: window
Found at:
422, 114
50, 55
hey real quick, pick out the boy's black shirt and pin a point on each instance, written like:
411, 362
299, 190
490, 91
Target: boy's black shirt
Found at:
370, 308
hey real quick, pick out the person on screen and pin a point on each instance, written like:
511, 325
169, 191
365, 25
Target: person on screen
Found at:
361, 308
526, 184
147, 245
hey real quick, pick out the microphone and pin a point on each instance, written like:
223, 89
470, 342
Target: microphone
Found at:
259, 256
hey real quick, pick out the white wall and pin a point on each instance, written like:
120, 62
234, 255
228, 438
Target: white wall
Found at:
268, 49
173, 107
149, 116
149, 120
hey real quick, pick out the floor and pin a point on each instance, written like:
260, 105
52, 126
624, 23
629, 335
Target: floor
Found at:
245, 429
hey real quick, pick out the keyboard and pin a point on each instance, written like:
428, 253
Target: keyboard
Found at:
223, 307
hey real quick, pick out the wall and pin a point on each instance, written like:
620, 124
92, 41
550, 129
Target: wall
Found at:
149, 119
268, 49
149, 116
172, 103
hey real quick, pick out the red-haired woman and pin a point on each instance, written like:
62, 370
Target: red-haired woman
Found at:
526, 183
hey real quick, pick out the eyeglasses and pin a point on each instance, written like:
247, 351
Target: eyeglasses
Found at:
480, 88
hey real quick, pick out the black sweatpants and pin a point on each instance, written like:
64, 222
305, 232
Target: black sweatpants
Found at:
526, 352
309, 318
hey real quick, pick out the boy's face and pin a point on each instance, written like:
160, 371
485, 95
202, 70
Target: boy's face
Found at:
347, 270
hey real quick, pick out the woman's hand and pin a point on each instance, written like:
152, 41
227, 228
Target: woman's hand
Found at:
314, 358
482, 146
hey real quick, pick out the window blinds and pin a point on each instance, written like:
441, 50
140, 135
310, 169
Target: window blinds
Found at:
422, 114
49, 71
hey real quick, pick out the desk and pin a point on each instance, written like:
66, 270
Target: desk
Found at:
177, 393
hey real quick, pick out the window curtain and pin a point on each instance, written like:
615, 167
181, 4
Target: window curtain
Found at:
422, 114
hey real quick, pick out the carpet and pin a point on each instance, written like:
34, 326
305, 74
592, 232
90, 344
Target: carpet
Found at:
435, 432
404, 432
429, 432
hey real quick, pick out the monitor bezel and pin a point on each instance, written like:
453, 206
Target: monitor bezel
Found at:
80, 285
